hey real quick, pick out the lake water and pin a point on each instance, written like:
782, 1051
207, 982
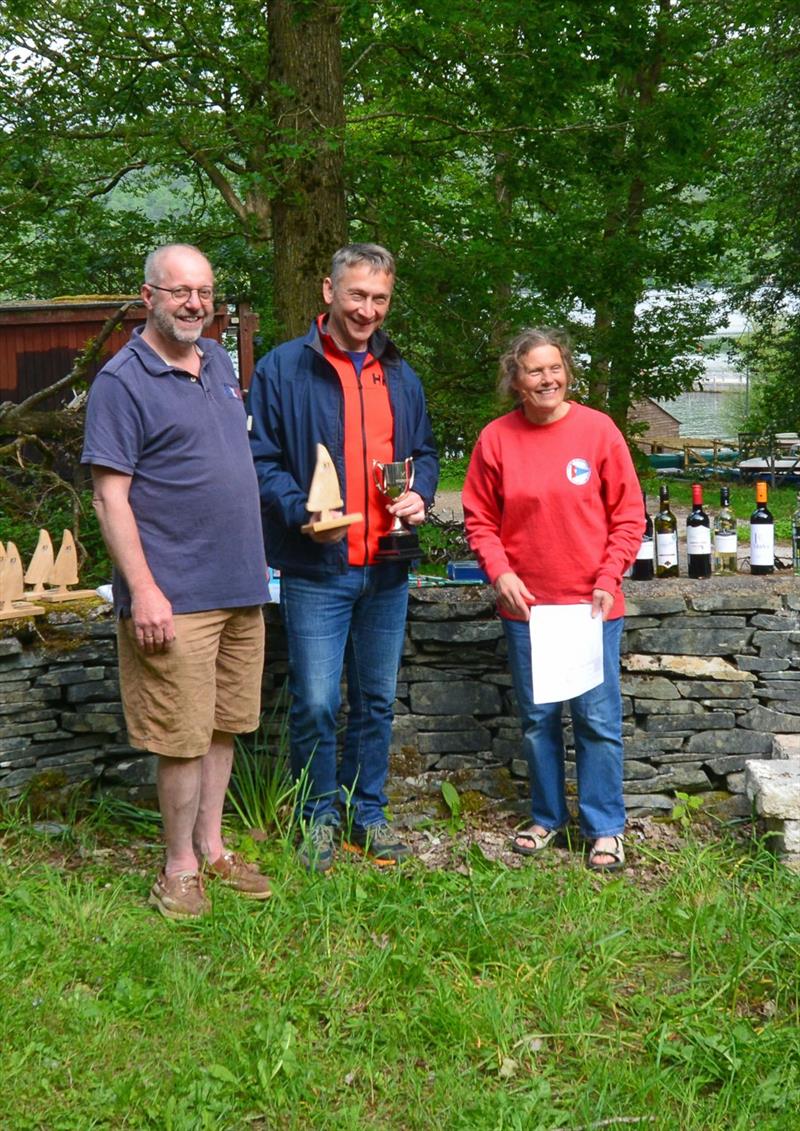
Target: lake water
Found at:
709, 415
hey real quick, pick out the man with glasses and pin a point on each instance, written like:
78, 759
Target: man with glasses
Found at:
177, 500
343, 385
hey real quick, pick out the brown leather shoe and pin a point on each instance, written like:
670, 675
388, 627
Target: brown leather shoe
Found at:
180, 896
240, 875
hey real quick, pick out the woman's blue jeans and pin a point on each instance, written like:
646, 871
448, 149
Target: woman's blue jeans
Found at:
597, 726
356, 621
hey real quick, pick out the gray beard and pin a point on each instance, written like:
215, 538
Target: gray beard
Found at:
170, 329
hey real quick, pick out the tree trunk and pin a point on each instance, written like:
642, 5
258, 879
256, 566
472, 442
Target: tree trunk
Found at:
308, 214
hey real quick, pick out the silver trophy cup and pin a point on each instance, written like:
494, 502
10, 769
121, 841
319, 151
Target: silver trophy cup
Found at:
393, 480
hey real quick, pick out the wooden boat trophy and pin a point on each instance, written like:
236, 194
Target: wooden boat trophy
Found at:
12, 602
325, 497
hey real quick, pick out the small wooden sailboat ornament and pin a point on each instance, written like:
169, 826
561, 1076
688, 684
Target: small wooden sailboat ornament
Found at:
40, 567
65, 573
325, 497
12, 604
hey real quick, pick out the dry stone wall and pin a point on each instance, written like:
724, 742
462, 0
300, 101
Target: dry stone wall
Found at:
710, 674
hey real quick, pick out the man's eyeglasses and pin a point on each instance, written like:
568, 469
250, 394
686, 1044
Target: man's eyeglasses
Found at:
180, 294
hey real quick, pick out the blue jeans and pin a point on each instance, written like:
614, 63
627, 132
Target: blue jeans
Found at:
597, 724
354, 620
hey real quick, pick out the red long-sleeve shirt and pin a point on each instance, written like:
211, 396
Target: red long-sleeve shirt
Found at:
558, 504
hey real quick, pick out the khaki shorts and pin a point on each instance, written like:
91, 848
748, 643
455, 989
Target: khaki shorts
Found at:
208, 679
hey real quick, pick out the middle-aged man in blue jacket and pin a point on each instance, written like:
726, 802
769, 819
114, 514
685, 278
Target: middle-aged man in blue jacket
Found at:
346, 386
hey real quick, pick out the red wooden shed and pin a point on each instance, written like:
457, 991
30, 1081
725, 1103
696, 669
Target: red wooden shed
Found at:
39, 341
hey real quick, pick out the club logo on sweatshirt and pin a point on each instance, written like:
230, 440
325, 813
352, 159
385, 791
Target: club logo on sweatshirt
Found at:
578, 471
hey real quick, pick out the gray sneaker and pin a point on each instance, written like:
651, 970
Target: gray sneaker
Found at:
315, 850
380, 843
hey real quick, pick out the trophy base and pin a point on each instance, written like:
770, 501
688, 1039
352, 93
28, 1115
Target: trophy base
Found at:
398, 547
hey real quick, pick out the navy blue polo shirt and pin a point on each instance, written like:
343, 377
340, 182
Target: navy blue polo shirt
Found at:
194, 492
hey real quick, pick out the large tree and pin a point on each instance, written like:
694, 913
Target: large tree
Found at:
527, 163
238, 100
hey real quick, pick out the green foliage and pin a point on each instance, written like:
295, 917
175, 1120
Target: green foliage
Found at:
686, 808
34, 498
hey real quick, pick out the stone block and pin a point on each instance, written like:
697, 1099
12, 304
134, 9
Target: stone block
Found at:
422, 673
463, 698
454, 742
695, 623
464, 632
772, 722
94, 722
505, 749
760, 663
774, 644
730, 741
730, 764
641, 803
735, 783
39, 726
134, 771
647, 744
99, 690
713, 689
653, 606
668, 707
10, 646
786, 746
689, 778
693, 666
775, 788
785, 623
679, 724
519, 768
719, 601
649, 687
691, 642
62, 677
632, 769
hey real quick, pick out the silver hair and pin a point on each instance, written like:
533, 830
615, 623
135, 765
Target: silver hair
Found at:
152, 265
522, 344
377, 257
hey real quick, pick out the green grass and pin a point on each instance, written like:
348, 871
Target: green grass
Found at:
536, 998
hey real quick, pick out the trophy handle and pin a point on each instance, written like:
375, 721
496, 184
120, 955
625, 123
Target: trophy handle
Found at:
410, 469
377, 470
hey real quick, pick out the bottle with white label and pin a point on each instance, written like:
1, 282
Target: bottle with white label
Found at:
666, 526
725, 538
642, 568
698, 536
762, 534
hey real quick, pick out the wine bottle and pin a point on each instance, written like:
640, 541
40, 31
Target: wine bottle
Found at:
725, 537
762, 534
698, 536
666, 527
796, 538
642, 568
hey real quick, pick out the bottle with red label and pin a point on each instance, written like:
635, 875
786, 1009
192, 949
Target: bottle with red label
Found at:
698, 536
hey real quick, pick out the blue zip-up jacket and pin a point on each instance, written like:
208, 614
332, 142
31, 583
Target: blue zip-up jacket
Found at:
296, 402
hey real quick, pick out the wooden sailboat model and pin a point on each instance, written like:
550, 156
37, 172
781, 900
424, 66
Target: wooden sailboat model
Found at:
40, 567
325, 497
65, 573
12, 603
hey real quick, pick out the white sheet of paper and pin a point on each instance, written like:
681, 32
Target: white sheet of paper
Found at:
566, 651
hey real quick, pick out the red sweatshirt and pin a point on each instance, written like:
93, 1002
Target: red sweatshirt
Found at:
558, 504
